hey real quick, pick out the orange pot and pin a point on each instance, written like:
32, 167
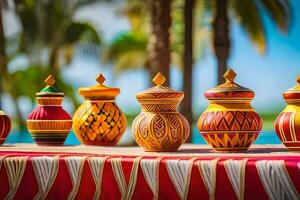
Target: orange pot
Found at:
229, 123
99, 121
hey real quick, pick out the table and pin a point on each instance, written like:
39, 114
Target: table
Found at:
28, 171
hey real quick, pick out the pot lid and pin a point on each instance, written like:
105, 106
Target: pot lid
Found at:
229, 90
99, 91
2, 112
50, 90
159, 91
293, 94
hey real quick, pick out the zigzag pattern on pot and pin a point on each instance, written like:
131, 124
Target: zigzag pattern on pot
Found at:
159, 107
160, 94
230, 120
239, 140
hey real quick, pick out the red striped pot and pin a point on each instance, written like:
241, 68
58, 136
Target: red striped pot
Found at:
49, 123
5, 126
287, 124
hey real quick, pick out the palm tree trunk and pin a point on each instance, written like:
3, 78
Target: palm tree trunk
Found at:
5, 78
159, 41
20, 121
3, 61
53, 60
221, 37
188, 63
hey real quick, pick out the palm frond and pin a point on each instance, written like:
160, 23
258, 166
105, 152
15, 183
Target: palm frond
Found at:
124, 43
25, 9
249, 17
81, 32
207, 4
31, 84
279, 11
130, 61
138, 15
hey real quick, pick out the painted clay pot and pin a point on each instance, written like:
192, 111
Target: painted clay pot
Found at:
99, 121
5, 126
160, 127
49, 123
229, 123
287, 124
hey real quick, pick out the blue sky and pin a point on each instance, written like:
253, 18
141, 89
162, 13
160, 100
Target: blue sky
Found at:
267, 75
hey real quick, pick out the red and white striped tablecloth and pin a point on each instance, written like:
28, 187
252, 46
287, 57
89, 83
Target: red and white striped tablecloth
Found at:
83, 172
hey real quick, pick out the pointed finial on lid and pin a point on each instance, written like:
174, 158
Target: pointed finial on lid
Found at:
229, 75
159, 79
298, 79
50, 80
100, 79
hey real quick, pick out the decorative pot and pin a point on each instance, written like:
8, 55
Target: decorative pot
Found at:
99, 121
49, 123
229, 123
160, 127
5, 126
287, 124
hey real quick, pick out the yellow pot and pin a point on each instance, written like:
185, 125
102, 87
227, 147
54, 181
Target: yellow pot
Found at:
160, 127
99, 121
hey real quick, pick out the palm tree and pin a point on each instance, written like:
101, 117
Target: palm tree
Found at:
3, 61
144, 46
249, 15
47, 26
194, 34
128, 50
159, 40
51, 24
6, 81
188, 62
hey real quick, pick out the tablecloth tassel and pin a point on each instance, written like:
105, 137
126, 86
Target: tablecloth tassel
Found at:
45, 169
276, 180
180, 174
208, 172
96, 166
150, 169
75, 166
235, 170
126, 191
15, 167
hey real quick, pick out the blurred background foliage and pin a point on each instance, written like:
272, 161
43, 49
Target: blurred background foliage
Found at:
48, 36
163, 34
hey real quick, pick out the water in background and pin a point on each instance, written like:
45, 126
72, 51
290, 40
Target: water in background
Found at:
265, 137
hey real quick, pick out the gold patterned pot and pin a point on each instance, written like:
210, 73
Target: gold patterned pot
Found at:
229, 123
287, 124
99, 121
160, 127
5, 126
49, 123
